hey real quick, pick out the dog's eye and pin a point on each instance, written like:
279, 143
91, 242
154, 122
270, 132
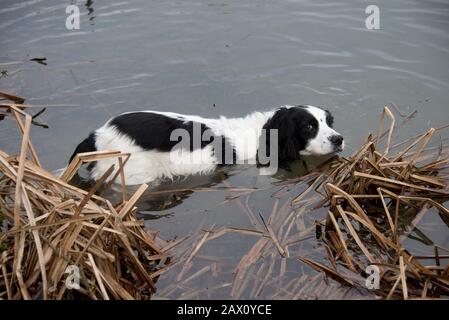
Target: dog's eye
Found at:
309, 127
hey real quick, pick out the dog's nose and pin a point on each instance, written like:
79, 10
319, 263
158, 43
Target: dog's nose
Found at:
336, 140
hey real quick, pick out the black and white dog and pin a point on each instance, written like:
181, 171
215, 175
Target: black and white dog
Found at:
157, 141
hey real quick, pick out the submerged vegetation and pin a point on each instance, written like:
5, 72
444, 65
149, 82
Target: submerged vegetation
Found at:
372, 201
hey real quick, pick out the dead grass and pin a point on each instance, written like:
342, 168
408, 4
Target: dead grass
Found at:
368, 195
48, 225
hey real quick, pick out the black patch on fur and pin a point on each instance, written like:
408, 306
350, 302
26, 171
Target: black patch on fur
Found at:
296, 126
87, 145
152, 131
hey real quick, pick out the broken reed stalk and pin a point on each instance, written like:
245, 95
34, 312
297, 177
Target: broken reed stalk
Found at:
49, 228
370, 194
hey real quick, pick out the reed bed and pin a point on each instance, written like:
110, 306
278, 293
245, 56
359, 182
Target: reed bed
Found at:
375, 200
54, 236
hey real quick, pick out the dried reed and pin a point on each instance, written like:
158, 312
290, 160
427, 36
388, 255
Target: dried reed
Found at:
369, 196
54, 236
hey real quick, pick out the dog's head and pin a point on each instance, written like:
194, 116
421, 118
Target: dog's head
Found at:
304, 130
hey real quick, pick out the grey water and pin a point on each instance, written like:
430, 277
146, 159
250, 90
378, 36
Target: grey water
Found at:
227, 57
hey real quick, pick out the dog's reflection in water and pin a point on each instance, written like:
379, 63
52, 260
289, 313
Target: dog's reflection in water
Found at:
169, 194
304, 166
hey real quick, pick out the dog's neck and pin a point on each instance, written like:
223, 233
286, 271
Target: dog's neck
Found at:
243, 132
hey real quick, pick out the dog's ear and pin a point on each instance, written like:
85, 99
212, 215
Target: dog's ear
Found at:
288, 144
